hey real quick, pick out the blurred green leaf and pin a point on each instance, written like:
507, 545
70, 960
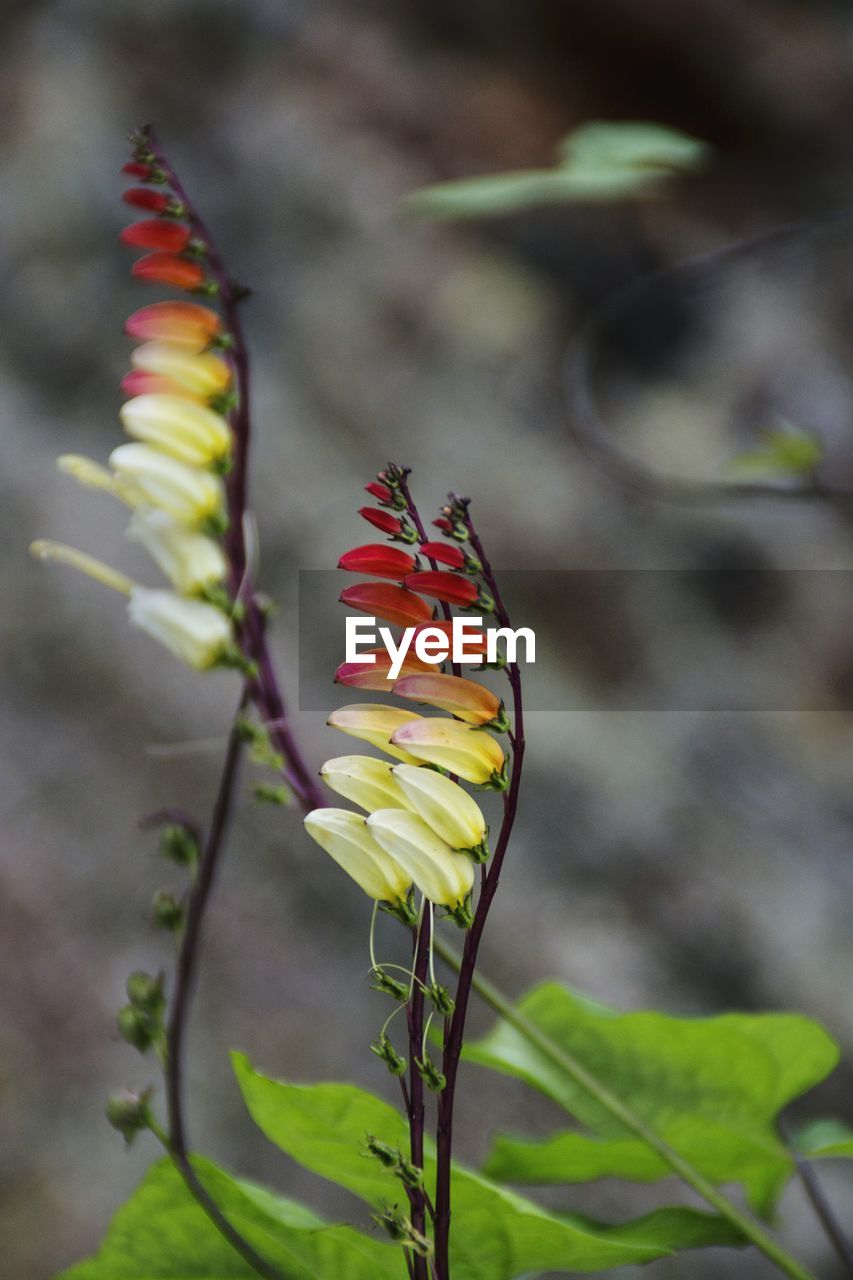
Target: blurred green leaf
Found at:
711, 1087
162, 1234
601, 161
787, 451
824, 1139
497, 1235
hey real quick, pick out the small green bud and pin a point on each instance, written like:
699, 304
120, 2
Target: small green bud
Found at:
383, 981
269, 793
441, 999
430, 1074
387, 1156
145, 992
134, 1026
384, 1049
463, 914
178, 845
128, 1112
400, 1228
166, 911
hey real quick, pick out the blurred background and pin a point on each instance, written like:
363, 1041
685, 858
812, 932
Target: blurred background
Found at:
669, 853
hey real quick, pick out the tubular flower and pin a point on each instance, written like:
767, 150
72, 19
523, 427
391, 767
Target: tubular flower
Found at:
197, 633
155, 233
204, 374
374, 675
184, 324
168, 268
142, 198
473, 643
466, 699
139, 383
469, 753
188, 494
378, 560
388, 523
375, 723
442, 875
380, 492
445, 807
449, 587
444, 553
192, 562
393, 604
345, 837
365, 781
190, 432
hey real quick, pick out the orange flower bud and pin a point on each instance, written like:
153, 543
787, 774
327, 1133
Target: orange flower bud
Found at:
186, 324
156, 233
374, 675
466, 699
391, 603
165, 268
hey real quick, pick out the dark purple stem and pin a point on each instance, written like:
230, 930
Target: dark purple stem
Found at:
265, 690
456, 1031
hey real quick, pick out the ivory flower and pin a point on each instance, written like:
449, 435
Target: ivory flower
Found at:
345, 837
445, 806
190, 495
469, 753
442, 875
188, 431
366, 781
190, 560
201, 374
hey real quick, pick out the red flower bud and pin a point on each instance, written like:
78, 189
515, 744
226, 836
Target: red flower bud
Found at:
444, 553
137, 170
445, 586
165, 268
381, 561
445, 525
381, 519
374, 675
154, 233
390, 603
380, 492
142, 198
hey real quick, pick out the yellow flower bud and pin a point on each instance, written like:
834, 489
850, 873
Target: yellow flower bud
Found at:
375, 723
364, 780
443, 805
201, 375
147, 476
345, 837
442, 875
464, 698
188, 431
197, 633
190, 560
469, 753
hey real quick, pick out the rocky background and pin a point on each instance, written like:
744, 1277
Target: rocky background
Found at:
670, 853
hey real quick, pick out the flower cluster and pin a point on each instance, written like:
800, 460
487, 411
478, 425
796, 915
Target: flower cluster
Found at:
422, 829
171, 472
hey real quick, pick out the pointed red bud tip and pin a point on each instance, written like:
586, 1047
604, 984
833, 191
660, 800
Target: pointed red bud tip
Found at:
381, 519
380, 492
137, 170
445, 525
444, 553
142, 198
374, 675
165, 268
390, 603
154, 233
379, 560
441, 585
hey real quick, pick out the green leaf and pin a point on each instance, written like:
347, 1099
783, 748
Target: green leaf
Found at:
824, 1139
601, 161
497, 1234
711, 1087
162, 1234
788, 451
